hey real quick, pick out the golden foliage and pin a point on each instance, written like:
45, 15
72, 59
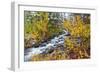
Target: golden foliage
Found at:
80, 32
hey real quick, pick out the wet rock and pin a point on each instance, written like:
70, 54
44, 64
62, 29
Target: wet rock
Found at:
36, 45
43, 44
68, 34
50, 51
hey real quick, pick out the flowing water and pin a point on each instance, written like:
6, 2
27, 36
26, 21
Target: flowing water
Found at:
58, 40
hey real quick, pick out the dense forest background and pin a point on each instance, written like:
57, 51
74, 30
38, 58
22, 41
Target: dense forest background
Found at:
40, 27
